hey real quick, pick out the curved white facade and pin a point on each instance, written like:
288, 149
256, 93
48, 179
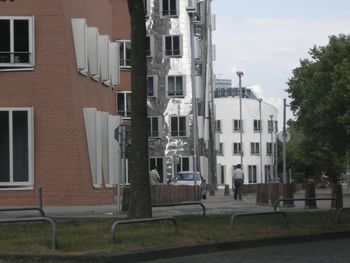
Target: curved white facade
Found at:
257, 154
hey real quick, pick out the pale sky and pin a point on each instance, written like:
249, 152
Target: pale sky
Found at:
266, 39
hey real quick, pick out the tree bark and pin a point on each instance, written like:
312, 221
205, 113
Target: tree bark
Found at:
140, 196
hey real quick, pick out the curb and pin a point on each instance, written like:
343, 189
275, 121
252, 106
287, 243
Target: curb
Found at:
154, 254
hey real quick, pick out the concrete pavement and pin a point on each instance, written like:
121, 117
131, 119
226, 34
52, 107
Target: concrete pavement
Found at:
218, 204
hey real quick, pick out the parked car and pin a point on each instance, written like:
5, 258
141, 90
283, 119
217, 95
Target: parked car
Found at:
187, 178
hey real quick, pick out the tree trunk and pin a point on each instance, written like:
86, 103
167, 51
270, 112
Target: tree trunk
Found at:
140, 194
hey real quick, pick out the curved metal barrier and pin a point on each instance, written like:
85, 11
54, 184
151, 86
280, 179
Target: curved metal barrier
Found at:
41, 211
303, 199
141, 220
234, 216
180, 204
35, 219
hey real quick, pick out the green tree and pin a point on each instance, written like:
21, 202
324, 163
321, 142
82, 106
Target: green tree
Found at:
140, 196
320, 93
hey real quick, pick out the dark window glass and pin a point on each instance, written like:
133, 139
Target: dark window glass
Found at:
20, 146
173, 7
174, 126
21, 41
4, 149
121, 52
176, 45
171, 86
4, 41
179, 90
182, 130
121, 104
128, 104
168, 46
150, 86
154, 127
165, 7
128, 53
185, 164
148, 46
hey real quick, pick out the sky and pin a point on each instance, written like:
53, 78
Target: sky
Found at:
267, 38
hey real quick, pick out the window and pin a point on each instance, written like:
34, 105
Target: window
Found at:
257, 125
218, 126
152, 86
237, 125
221, 149
149, 46
178, 126
169, 7
16, 42
124, 104
16, 151
268, 174
269, 126
276, 126
269, 148
172, 45
125, 53
175, 86
237, 148
153, 123
183, 164
252, 174
254, 148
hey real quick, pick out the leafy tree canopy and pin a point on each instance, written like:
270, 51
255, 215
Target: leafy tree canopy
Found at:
320, 93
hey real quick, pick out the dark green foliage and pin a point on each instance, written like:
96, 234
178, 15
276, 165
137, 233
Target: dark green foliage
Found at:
320, 93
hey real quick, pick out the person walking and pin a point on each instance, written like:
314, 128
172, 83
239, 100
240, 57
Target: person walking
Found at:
154, 177
237, 181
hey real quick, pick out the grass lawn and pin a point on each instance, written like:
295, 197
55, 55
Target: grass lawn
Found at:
93, 236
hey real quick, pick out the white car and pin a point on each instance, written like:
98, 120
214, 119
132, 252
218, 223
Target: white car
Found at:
187, 178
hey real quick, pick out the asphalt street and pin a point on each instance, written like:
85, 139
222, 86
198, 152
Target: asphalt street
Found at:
335, 251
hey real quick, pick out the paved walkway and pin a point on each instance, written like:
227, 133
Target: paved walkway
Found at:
218, 204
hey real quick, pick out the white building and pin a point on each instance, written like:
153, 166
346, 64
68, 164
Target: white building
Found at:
258, 157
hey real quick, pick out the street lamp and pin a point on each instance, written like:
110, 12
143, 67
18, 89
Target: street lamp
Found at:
240, 74
261, 151
272, 148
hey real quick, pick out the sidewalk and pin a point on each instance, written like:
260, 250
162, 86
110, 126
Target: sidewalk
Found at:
218, 204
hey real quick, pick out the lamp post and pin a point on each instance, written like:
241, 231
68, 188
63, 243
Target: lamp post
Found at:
240, 74
261, 151
272, 148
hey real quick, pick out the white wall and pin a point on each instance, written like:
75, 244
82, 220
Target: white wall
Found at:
227, 109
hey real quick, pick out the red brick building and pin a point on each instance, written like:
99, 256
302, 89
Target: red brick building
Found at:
58, 99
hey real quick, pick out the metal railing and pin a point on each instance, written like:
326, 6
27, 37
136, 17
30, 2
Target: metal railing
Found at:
36, 219
181, 204
234, 216
141, 220
304, 199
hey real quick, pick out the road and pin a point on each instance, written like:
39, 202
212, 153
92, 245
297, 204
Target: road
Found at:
335, 251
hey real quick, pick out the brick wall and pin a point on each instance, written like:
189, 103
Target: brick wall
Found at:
58, 94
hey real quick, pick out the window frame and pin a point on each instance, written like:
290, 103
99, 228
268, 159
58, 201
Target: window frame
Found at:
12, 66
155, 86
254, 148
150, 128
127, 114
183, 85
237, 125
221, 149
257, 125
163, 15
218, 126
30, 160
123, 55
172, 55
150, 38
252, 174
179, 132
239, 148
